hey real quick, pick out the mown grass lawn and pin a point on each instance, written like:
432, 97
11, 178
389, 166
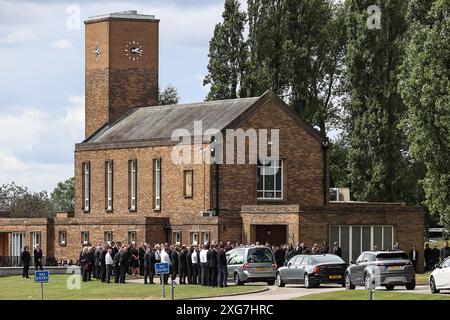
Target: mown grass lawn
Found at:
379, 295
18, 288
422, 279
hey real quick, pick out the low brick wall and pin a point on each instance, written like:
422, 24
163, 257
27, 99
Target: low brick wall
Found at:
14, 271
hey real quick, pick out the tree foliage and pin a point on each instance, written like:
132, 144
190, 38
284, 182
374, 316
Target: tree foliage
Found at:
168, 96
63, 196
425, 89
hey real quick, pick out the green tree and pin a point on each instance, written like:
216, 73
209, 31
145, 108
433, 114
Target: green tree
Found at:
425, 89
63, 196
168, 96
227, 54
23, 203
373, 105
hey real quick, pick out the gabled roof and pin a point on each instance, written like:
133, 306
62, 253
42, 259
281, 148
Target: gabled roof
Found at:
154, 125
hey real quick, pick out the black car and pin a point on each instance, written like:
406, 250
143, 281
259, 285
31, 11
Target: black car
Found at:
312, 270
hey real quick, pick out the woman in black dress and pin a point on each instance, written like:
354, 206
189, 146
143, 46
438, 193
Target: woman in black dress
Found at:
25, 257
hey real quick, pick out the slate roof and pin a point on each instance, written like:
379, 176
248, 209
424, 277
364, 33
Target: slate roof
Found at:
157, 123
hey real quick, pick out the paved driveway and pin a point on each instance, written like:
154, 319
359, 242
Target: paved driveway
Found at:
292, 291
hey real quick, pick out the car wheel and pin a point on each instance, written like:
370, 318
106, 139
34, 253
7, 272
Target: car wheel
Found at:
348, 283
411, 285
308, 283
433, 286
389, 287
280, 282
237, 280
271, 282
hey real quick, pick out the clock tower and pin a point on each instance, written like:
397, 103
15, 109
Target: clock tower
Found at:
121, 65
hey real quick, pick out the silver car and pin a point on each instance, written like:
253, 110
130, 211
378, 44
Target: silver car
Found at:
385, 268
251, 264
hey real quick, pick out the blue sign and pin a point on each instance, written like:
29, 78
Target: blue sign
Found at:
162, 268
41, 276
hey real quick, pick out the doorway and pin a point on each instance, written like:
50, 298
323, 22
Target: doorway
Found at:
273, 234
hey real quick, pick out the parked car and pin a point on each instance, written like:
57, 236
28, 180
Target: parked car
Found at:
440, 277
389, 268
312, 270
251, 264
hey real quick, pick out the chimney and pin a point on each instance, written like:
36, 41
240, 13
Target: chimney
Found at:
121, 66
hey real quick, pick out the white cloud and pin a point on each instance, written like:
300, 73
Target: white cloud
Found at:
36, 147
18, 36
62, 44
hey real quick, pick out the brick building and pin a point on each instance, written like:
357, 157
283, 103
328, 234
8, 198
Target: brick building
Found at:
128, 188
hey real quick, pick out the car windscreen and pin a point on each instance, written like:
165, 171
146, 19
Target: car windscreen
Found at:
258, 255
325, 259
392, 256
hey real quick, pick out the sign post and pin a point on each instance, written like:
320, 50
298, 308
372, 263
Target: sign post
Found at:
161, 269
41, 277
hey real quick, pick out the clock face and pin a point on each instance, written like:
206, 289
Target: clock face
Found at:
96, 50
134, 50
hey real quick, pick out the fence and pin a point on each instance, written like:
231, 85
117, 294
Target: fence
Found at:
15, 261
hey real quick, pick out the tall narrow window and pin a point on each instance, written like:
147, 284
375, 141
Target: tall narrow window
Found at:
176, 237
132, 184
270, 180
84, 237
62, 237
194, 238
157, 184
109, 185
108, 236
86, 172
131, 236
188, 178
35, 239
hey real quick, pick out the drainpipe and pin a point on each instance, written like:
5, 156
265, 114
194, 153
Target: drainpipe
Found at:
326, 175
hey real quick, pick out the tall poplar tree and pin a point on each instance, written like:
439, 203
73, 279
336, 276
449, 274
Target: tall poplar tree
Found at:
425, 89
227, 54
376, 162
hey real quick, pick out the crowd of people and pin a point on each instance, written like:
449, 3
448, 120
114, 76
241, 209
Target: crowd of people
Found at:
197, 264
201, 264
435, 255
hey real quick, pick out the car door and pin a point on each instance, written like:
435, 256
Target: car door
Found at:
298, 270
442, 275
287, 274
235, 261
357, 270
302, 269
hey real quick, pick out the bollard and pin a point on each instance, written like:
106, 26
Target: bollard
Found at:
173, 289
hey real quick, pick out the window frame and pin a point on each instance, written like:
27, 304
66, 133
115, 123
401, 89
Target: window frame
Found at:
132, 185
109, 186
129, 236
32, 235
260, 167
175, 235
105, 236
60, 232
86, 186
185, 173
83, 242
157, 184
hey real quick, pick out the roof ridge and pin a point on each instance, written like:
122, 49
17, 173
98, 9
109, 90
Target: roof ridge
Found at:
196, 103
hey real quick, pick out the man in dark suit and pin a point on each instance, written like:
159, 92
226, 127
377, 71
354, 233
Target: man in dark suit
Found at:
414, 257
147, 265
96, 267
280, 255
435, 254
102, 264
428, 258
336, 249
174, 257
141, 253
445, 251
124, 260
153, 260
189, 265
183, 265
116, 265
91, 261
222, 266
212, 264
37, 254
25, 257
325, 248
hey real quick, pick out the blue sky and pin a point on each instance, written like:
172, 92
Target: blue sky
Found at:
42, 76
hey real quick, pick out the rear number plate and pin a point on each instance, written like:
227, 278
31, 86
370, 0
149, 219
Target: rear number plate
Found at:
396, 268
335, 277
261, 269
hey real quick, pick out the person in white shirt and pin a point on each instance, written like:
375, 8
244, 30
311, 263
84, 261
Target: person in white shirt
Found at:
109, 265
165, 258
204, 264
